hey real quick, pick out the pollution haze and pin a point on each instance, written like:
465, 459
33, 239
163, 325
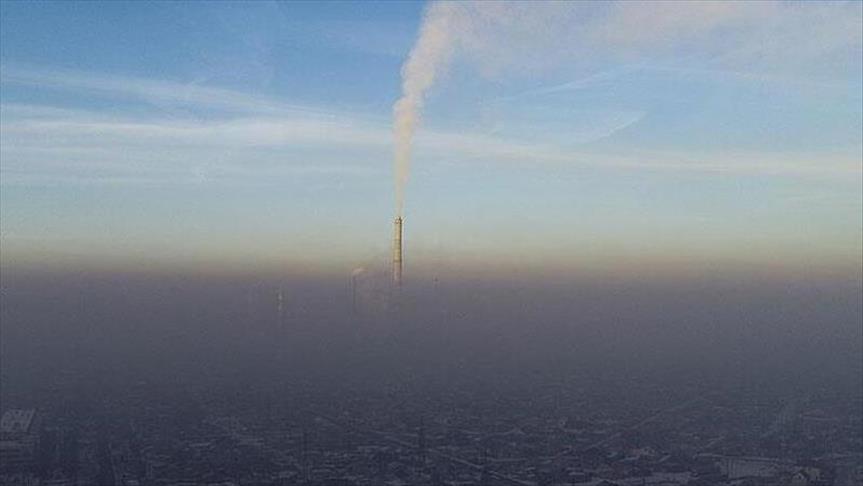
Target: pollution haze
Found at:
444, 243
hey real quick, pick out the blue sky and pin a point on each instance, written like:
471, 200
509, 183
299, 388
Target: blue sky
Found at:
568, 135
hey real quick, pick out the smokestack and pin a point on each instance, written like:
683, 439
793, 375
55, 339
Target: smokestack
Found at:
397, 252
355, 282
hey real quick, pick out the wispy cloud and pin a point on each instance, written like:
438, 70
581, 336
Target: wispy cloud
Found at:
803, 38
129, 151
257, 138
156, 92
617, 76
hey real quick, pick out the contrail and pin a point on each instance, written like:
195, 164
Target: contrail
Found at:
428, 58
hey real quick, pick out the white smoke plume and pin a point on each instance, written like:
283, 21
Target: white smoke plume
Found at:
427, 59
520, 37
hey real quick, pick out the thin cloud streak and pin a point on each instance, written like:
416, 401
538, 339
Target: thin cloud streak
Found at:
807, 85
157, 92
43, 145
39, 140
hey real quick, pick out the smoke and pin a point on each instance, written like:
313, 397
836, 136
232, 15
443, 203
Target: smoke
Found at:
521, 39
429, 56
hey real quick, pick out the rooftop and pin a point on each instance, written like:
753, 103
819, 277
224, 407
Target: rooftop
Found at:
16, 421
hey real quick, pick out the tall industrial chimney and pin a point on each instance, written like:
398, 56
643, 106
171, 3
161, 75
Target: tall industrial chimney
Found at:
397, 252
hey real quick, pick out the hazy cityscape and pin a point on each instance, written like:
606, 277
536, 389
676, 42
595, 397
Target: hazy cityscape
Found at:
444, 243
316, 388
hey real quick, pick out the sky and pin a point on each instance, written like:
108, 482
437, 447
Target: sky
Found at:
572, 135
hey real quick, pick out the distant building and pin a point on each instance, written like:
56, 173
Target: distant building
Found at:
16, 422
19, 439
806, 476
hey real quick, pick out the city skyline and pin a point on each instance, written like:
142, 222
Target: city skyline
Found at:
443, 243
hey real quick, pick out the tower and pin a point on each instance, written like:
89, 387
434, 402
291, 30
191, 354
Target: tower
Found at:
355, 297
280, 307
354, 294
397, 252
305, 454
421, 443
